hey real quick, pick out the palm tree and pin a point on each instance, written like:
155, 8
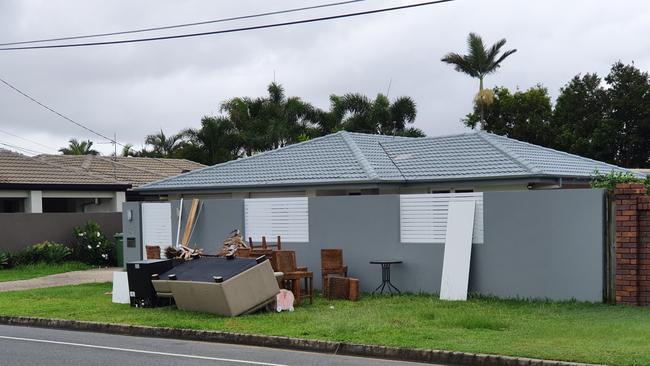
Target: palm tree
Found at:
215, 142
285, 117
128, 150
268, 122
76, 147
378, 116
478, 63
164, 146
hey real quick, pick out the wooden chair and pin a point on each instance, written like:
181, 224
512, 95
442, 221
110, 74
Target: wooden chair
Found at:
286, 262
153, 251
331, 263
265, 245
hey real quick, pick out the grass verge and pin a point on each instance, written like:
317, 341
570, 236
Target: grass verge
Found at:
28, 271
568, 331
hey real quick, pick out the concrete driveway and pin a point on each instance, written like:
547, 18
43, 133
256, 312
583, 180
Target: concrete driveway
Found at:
61, 279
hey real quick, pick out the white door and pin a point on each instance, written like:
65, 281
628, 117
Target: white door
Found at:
156, 225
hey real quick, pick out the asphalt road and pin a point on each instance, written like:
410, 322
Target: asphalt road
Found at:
21, 346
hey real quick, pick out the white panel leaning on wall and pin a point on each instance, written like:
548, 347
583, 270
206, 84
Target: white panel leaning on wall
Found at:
287, 217
423, 217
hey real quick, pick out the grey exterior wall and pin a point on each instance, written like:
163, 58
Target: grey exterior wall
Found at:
537, 244
367, 228
543, 244
132, 229
20, 230
218, 217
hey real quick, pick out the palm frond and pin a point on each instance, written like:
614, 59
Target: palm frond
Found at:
461, 63
497, 63
493, 52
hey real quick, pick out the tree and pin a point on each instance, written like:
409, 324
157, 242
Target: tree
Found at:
163, 146
358, 113
629, 112
247, 126
77, 147
580, 122
604, 121
478, 63
285, 118
268, 122
215, 142
524, 115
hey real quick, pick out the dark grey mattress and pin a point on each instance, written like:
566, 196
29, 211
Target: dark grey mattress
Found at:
204, 268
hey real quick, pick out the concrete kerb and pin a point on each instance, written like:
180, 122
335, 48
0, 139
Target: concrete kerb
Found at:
340, 348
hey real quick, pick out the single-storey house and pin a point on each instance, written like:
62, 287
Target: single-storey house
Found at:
78, 183
136, 171
537, 228
346, 163
30, 185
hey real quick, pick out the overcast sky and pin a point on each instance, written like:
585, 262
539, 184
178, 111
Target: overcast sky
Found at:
137, 89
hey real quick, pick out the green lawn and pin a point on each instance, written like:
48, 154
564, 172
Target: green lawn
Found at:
569, 331
40, 269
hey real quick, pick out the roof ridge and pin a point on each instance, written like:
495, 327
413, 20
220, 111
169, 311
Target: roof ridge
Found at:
559, 152
509, 153
74, 170
117, 162
359, 156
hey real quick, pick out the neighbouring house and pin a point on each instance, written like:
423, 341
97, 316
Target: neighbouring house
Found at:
78, 183
30, 185
136, 171
346, 163
46, 196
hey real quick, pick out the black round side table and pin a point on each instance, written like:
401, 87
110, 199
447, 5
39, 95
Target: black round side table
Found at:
385, 276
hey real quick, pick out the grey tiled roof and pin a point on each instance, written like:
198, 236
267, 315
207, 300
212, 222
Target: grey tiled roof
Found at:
346, 157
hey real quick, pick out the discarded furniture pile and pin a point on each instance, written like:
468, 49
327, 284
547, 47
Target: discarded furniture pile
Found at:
219, 285
240, 278
226, 286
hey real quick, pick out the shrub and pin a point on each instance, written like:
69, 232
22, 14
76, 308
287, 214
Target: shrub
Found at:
5, 259
47, 251
91, 246
611, 179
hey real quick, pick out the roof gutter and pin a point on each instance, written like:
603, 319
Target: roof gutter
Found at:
65, 187
537, 178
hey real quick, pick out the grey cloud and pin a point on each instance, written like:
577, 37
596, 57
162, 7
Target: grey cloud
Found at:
137, 89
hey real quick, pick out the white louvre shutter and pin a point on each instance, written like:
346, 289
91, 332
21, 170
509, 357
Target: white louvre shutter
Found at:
423, 217
287, 217
156, 225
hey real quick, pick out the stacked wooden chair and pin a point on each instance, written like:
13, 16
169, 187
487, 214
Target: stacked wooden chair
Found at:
294, 276
331, 262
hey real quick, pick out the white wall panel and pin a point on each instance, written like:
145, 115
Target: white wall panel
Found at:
458, 250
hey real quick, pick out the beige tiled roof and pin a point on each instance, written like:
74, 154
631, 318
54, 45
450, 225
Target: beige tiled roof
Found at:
133, 170
20, 169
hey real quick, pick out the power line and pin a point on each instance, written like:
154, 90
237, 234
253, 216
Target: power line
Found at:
28, 140
23, 149
258, 15
57, 113
232, 30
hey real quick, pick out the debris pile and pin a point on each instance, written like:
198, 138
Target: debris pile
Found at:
183, 252
233, 242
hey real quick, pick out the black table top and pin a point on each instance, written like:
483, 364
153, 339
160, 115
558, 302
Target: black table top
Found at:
386, 262
202, 269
